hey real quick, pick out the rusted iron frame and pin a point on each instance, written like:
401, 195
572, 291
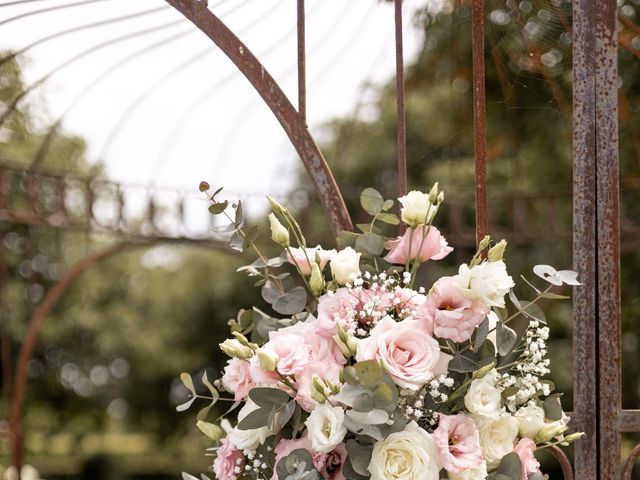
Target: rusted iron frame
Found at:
631, 460
563, 460
302, 57
38, 317
479, 118
401, 127
291, 121
585, 400
608, 228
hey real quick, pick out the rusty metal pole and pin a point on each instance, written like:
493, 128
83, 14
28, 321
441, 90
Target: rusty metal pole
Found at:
584, 240
608, 227
302, 68
401, 127
479, 118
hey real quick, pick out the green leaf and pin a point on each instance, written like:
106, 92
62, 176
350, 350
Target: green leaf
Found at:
510, 467
534, 312
481, 334
257, 419
347, 239
389, 218
269, 397
238, 217
298, 465
462, 364
359, 457
187, 381
287, 413
510, 392
370, 244
506, 338
185, 406
270, 293
237, 242
487, 350
218, 208
387, 205
250, 235
553, 407
514, 299
213, 390
291, 302
554, 296
371, 201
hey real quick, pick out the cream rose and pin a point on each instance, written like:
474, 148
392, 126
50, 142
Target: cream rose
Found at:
326, 428
411, 356
475, 473
488, 282
483, 399
407, 455
249, 439
415, 208
497, 438
344, 264
530, 420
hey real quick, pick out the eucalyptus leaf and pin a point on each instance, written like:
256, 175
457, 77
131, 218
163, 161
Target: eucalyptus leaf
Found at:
269, 292
186, 476
553, 407
269, 397
291, 302
237, 242
389, 218
257, 419
514, 299
185, 406
218, 208
213, 390
554, 296
510, 467
298, 465
534, 312
287, 413
371, 201
359, 457
250, 235
238, 217
481, 334
347, 239
506, 338
387, 205
370, 244
462, 364
187, 381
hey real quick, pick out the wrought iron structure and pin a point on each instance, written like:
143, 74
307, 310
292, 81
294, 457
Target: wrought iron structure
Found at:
596, 228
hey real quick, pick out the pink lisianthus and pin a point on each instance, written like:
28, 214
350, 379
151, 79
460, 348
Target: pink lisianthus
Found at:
229, 461
454, 316
458, 443
525, 450
237, 378
325, 370
329, 465
415, 245
411, 356
337, 307
299, 257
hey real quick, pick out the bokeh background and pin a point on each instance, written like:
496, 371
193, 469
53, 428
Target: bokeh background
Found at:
130, 92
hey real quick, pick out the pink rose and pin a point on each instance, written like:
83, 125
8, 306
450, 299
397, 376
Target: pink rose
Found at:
525, 450
411, 356
228, 459
237, 378
454, 316
298, 257
458, 443
415, 245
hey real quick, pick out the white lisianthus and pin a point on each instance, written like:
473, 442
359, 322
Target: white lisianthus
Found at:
344, 264
497, 438
553, 429
487, 282
249, 439
326, 428
279, 233
530, 420
475, 473
415, 208
483, 399
407, 455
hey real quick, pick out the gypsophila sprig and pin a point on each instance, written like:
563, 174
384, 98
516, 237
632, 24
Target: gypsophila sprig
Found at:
358, 372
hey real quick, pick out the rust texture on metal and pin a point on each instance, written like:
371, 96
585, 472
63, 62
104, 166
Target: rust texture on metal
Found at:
479, 118
401, 128
26, 351
608, 247
584, 241
302, 59
629, 421
631, 460
563, 460
291, 121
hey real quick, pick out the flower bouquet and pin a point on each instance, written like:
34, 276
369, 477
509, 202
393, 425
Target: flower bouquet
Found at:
363, 374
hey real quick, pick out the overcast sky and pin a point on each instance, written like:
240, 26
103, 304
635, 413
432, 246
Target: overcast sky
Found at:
179, 112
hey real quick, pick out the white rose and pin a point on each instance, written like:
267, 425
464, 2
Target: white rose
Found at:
415, 208
483, 399
497, 438
530, 420
249, 439
345, 263
326, 428
488, 282
407, 455
476, 473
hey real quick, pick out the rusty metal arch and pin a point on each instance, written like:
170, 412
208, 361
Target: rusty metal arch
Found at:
293, 121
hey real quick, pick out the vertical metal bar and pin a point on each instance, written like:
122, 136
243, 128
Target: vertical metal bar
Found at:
608, 215
401, 125
302, 73
584, 241
479, 118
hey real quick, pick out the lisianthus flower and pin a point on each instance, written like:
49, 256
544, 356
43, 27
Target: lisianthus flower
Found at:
525, 450
458, 443
229, 461
237, 378
418, 244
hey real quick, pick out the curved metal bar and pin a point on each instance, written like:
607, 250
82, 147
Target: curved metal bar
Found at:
18, 98
45, 10
26, 351
628, 465
563, 460
291, 121
76, 29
